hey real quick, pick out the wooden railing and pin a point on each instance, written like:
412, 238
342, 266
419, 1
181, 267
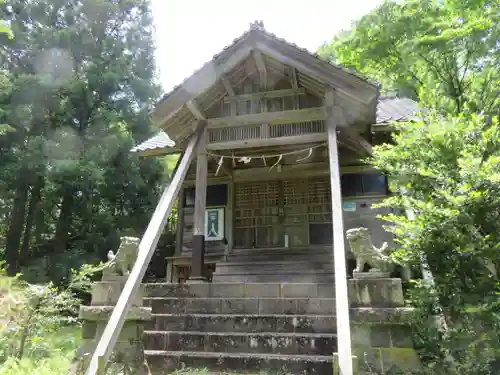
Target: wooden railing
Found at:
147, 247
265, 131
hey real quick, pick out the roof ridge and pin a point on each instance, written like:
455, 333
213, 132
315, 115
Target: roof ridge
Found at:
258, 27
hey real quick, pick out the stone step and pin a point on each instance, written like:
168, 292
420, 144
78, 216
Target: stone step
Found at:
162, 362
241, 290
265, 306
242, 342
279, 266
249, 256
269, 276
241, 323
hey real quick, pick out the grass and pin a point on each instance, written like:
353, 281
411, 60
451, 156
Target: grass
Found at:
207, 372
60, 346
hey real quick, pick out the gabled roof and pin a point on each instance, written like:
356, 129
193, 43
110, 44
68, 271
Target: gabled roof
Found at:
391, 109
257, 28
354, 91
160, 140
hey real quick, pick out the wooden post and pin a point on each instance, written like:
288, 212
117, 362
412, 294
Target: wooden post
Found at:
230, 216
147, 247
198, 257
339, 254
179, 236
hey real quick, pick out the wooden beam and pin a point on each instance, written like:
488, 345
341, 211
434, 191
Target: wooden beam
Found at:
293, 78
198, 258
339, 253
344, 86
195, 110
261, 67
227, 86
266, 95
179, 237
231, 95
230, 222
198, 83
358, 139
288, 171
146, 249
158, 152
276, 141
282, 117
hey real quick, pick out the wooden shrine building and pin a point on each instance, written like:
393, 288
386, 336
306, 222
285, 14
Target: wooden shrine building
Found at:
281, 130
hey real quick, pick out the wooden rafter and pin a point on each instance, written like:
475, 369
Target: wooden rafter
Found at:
266, 95
295, 84
358, 140
293, 78
195, 110
261, 67
227, 86
231, 94
344, 88
200, 82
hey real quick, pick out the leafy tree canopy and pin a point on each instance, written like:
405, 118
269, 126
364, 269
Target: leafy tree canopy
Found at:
445, 53
77, 83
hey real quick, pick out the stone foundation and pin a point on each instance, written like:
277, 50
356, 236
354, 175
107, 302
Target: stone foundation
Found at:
128, 354
382, 338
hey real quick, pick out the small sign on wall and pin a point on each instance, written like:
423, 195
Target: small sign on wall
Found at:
349, 206
214, 224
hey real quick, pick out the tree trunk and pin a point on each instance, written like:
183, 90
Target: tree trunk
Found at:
18, 212
33, 212
63, 227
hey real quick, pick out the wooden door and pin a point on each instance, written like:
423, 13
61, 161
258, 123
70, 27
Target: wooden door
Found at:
258, 219
307, 211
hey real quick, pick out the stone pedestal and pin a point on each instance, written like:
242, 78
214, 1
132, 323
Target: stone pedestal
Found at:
384, 345
336, 368
375, 292
128, 355
373, 274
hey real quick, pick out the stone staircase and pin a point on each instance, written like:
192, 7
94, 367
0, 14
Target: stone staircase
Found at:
286, 327
311, 265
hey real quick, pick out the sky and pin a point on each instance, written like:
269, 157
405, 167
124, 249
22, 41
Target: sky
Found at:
190, 32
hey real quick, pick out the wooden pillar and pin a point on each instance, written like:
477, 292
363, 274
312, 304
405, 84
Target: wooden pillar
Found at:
339, 253
179, 239
198, 254
230, 216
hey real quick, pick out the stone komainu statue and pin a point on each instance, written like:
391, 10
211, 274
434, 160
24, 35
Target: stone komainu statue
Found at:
365, 252
121, 263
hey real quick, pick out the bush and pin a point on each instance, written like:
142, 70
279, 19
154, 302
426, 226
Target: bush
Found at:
29, 313
447, 170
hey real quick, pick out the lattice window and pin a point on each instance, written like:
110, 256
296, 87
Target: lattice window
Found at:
258, 194
257, 214
299, 128
234, 133
320, 204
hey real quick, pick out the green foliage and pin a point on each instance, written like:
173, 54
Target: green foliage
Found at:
444, 53
447, 170
76, 87
60, 347
30, 313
